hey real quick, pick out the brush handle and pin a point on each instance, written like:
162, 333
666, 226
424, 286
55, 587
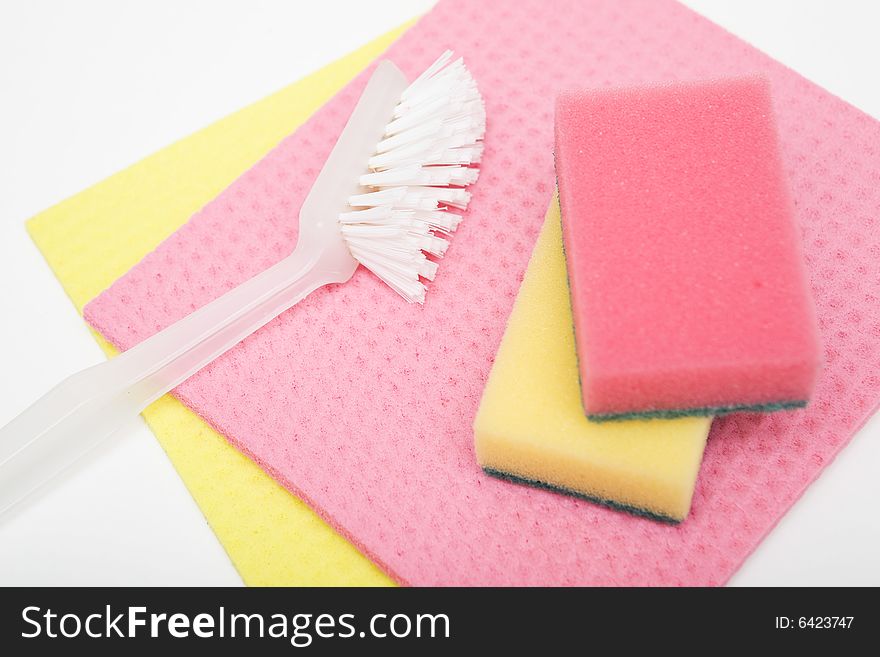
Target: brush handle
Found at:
89, 406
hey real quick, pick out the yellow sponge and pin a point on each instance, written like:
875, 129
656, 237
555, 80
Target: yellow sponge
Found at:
531, 426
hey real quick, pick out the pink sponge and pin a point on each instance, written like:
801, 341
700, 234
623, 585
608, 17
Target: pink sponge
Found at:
687, 284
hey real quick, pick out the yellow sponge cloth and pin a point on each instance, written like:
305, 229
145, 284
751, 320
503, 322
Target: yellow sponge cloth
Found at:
531, 426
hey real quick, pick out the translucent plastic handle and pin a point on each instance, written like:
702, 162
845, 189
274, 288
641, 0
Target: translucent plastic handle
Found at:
89, 406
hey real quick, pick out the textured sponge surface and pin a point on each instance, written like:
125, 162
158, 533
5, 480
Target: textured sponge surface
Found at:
531, 425
686, 272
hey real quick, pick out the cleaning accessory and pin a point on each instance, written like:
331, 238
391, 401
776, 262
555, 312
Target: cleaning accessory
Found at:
429, 144
95, 236
687, 282
378, 437
531, 428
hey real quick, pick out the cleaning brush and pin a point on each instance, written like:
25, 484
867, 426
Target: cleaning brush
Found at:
387, 197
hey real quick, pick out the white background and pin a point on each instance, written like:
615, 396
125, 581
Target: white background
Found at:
87, 88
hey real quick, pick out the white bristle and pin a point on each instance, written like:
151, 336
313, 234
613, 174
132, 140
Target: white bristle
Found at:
427, 156
416, 174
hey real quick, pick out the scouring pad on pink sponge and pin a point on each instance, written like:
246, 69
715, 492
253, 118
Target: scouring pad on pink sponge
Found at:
688, 289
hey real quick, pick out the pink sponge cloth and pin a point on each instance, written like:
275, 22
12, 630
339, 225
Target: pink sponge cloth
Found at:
687, 284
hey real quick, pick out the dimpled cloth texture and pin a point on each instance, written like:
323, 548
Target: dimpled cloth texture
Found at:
363, 404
